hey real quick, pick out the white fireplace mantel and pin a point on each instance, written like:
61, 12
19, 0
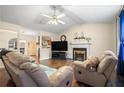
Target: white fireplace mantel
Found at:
81, 45
75, 43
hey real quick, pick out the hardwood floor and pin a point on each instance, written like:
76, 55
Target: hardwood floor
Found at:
57, 63
115, 80
5, 80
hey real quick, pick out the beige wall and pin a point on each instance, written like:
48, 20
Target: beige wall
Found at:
5, 36
103, 36
0, 14
118, 34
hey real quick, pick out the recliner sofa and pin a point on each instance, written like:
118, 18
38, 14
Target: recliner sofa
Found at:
103, 71
27, 74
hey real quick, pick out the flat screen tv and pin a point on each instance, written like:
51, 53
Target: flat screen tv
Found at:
59, 46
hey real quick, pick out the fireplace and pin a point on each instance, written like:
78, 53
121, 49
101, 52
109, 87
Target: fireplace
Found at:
79, 54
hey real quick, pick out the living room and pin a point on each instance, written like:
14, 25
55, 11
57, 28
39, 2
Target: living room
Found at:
61, 39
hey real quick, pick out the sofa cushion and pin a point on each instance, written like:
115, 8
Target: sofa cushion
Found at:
18, 58
48, 70
105, 63
36, 73
102, 57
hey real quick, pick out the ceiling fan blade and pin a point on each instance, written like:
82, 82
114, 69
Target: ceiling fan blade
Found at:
60, 16
61, 22
55, 23
49, 22
46, 16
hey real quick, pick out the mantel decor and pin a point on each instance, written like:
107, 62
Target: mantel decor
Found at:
81, 37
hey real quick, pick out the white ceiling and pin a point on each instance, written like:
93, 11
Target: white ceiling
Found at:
30, 16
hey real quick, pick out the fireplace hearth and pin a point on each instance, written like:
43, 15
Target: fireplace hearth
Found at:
79, 54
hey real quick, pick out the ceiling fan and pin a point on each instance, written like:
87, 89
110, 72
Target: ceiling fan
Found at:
55, 19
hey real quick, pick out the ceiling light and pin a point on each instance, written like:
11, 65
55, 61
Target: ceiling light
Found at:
54, 19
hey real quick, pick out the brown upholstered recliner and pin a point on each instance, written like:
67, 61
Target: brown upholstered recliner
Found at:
99, 77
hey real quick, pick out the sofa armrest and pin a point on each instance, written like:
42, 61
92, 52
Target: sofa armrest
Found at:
79, 63
82, 64
89, 77
62, 77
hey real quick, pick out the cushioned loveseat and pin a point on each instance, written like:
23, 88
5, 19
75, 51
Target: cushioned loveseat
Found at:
25, 73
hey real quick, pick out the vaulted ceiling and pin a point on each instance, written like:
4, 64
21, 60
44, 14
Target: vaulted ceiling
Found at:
30, 16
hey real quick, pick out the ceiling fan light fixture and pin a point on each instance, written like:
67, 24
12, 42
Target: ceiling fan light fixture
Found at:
61, 22
55, 19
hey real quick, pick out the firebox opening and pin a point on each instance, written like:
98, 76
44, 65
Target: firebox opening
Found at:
79, 54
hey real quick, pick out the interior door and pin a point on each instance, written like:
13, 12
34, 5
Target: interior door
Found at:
32, 48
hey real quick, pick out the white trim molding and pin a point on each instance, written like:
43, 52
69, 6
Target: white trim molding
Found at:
78, 45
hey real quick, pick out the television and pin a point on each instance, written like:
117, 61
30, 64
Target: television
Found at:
59, 46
